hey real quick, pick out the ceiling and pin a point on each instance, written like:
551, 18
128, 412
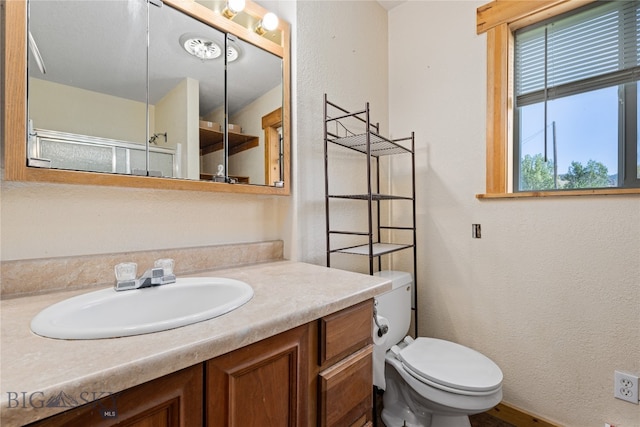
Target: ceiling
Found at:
390, 4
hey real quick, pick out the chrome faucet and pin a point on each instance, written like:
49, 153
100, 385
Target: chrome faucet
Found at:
160, 274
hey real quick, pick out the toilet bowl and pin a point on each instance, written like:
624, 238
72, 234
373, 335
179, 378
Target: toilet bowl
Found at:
428, 382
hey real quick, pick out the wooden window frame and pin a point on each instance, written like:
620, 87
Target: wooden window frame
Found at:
499, 19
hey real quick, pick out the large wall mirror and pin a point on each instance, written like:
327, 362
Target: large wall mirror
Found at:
172, 95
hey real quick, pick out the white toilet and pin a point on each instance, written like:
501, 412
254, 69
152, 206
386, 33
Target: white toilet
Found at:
428, 382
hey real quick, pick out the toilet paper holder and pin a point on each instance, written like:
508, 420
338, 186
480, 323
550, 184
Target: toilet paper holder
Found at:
382, 329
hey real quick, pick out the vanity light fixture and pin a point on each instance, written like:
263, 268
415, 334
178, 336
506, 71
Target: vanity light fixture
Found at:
269, 22
232, 8
200, 47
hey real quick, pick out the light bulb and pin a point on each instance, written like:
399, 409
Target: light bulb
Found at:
270, 21
233, 7
236, 5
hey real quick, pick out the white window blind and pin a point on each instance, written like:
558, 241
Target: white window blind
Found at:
594, 48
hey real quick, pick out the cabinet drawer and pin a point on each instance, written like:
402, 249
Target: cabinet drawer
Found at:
344, 332
346, 391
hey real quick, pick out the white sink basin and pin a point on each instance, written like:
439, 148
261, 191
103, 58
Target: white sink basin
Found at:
110, 314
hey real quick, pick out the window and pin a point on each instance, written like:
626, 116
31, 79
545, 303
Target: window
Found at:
575, 90
561, 109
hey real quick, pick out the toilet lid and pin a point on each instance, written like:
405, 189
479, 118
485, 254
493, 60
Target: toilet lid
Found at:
454, 366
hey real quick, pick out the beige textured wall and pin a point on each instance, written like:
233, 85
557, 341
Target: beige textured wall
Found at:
65, 108
176, 114
552, 290
251, 162
47, 220
341, 50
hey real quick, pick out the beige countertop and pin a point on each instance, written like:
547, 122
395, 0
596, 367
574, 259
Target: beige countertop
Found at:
33, 369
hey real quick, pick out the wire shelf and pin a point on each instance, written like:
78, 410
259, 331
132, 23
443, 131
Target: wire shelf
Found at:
374, 196
355, 131
378, 249
380, 146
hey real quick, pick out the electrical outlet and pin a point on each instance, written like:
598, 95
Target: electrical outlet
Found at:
625, 387
476, 233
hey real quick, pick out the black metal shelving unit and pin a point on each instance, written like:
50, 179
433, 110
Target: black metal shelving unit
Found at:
364, 137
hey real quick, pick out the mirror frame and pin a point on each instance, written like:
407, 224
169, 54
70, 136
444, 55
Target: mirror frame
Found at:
15, 106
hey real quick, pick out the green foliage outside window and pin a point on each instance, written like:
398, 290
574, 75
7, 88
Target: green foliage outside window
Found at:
538, 174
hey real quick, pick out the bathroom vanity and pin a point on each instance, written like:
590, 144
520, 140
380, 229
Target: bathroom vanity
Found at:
297, 354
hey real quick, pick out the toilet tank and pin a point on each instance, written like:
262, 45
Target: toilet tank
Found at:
395, 305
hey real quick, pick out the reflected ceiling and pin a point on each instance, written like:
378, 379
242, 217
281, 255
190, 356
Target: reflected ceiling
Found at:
76, 21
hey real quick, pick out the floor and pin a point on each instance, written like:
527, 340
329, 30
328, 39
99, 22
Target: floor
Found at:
478, 420
486, 420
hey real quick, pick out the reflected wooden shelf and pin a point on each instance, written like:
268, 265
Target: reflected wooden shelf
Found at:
212, 140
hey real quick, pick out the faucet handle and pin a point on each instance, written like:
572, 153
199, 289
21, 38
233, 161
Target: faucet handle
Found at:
166, 264
126, 276
126, 271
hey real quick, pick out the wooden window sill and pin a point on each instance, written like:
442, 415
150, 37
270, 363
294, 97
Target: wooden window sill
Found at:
560, 193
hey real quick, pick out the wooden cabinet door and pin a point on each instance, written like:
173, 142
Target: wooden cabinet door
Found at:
346, 391
171, 401
261, 385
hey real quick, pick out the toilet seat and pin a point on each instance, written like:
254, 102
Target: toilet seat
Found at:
450, 367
